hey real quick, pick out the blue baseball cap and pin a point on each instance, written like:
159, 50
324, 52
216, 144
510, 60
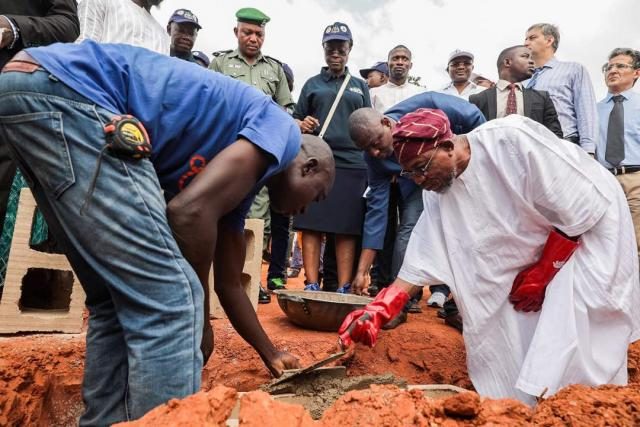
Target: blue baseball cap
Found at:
181, 16
381, 66
337, 31
202, 57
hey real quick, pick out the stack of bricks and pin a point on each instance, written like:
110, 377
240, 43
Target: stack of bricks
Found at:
14, 318
253, 235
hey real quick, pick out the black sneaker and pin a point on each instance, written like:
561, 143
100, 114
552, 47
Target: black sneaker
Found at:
263, 296
276, 284
373, 290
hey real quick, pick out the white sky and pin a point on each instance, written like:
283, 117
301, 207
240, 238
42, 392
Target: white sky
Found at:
589, 30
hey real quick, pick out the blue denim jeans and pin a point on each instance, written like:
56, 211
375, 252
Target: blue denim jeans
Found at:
145, 301
411, 208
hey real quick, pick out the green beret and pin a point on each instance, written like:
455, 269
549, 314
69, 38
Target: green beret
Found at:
252, 15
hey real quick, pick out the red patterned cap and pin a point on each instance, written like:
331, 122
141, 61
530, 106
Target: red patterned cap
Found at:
419, 131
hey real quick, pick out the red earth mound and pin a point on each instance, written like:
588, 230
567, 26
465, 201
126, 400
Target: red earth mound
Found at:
40, 375
390, 406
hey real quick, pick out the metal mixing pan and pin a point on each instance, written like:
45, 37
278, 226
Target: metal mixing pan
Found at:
320, 311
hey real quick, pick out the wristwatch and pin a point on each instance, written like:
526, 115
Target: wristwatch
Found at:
15, 30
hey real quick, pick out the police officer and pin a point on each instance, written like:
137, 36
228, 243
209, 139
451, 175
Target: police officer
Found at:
201, 58
183, 29
248, 64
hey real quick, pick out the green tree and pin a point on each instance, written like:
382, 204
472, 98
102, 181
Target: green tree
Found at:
415, 80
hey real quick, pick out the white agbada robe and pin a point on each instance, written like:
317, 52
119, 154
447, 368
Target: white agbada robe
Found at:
493, 222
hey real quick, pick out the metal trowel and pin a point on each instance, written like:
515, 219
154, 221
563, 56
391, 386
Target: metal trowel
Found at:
296, 373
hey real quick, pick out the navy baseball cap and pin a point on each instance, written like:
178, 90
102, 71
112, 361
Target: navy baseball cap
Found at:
202, 57
288, 72
381, 66
337, 31
181, 16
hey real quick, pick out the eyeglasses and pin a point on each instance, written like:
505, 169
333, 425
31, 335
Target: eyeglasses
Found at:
420, 171
608, 67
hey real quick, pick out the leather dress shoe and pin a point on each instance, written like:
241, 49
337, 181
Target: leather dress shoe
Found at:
263, 296
396, 321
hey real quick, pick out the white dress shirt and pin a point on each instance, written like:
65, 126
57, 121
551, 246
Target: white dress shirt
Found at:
470, 89
502, 96
386, 96
121, 21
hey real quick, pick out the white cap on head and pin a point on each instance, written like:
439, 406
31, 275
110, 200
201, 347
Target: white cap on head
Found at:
460, 54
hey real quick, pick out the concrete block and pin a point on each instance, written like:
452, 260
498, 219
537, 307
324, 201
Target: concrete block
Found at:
13, 317
253, 234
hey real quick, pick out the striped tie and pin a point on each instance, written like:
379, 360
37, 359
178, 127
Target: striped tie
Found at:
534, 78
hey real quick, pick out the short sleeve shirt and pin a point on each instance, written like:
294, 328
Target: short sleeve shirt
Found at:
190, 113
266, 74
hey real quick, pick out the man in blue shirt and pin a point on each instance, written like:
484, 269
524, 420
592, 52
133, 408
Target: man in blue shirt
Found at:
568, 84
144, 264
371, 131
618, 148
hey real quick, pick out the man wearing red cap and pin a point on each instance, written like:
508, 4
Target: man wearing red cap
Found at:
534, 239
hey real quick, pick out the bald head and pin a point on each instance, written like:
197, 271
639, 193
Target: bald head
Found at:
360, 123
370, 130
314, 147
308, 178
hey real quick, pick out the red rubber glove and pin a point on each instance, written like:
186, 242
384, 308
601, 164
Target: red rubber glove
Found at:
364, 324
527, 292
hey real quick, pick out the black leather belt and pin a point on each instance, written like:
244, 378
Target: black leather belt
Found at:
621, 170
573, 138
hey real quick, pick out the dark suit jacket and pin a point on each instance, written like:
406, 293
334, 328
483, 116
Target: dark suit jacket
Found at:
41, 22
538, 106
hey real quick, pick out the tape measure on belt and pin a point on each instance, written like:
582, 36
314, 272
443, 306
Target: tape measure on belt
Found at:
127, 137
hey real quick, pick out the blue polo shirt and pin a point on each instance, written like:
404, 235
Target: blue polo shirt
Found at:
316, 99
463, 117
190, 113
